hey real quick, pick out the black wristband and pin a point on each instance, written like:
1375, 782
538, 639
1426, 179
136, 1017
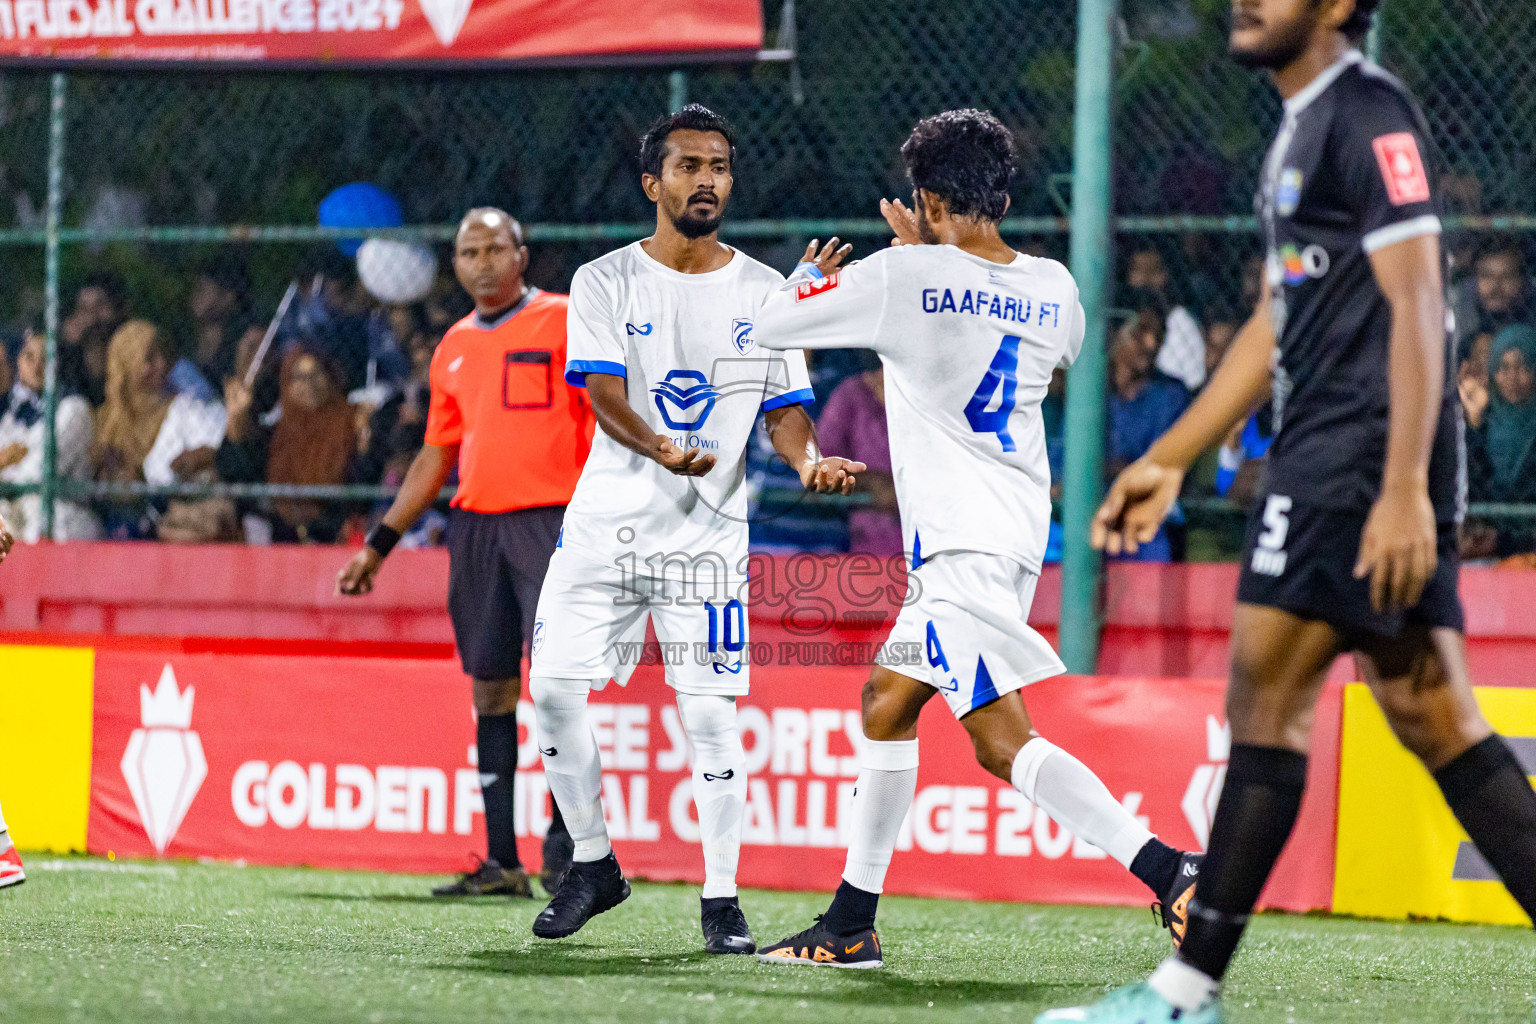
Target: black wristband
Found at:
382, 538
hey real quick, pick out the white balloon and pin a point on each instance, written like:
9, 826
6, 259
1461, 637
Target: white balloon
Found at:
395, 271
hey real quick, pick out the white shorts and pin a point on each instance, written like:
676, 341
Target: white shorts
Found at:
967, 614
591, 621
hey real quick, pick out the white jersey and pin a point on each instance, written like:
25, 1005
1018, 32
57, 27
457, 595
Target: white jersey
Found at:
968, 348
685, 345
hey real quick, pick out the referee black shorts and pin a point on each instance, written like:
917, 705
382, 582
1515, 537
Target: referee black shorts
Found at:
1301, 559
496, 566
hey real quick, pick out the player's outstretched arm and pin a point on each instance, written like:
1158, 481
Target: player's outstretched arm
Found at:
1397, 547
794, 437
610, 403
423, 482
1139, 499
828, 258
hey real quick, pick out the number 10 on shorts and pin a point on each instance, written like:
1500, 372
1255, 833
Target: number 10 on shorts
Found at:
727, 634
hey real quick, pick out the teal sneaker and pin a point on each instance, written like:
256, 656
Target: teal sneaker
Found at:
1138, 1004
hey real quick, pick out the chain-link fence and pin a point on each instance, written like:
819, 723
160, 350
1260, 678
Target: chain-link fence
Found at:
190, 201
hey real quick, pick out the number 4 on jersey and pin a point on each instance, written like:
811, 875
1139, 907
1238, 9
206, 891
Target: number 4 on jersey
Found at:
1002, 373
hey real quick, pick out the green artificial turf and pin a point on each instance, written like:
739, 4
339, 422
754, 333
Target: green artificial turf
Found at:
84, 940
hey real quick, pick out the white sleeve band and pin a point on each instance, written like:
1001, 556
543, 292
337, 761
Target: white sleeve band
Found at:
1230, 459
888, 755
1429, 224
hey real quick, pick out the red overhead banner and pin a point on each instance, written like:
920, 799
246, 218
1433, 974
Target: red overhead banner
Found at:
376, 31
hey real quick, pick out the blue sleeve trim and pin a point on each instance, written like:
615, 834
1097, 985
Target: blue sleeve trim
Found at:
576, 370
813, 268
805, 396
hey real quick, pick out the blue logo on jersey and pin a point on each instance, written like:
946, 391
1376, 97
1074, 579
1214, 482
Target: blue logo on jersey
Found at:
632, 329
684, 397
741, 335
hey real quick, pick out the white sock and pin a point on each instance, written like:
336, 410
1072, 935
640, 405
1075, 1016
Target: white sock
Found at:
571, 767
719, 785
881, 798
1073, 796
1183, 984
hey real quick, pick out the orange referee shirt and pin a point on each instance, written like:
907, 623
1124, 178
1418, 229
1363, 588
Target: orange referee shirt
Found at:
499, 393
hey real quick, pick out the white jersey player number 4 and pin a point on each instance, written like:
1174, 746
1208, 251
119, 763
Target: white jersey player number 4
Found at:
968, 347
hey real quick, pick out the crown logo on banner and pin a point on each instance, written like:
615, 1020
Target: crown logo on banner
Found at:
164, 764
446, 17
165, 705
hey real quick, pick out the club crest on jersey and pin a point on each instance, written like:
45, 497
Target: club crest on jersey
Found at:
1401, 169
632, 329
1288, 194
683, 397
741, 335
811, 289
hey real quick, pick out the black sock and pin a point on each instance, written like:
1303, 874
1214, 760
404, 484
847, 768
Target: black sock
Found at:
852, 910
497, 739
1258, 808
1156, 864
1492, 798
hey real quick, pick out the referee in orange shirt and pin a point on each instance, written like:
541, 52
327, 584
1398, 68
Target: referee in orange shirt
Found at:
502, 412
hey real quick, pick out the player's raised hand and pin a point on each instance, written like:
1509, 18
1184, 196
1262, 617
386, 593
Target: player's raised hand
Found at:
1397, 547
6, 540
1135, 507
831, 475
828, 258
356, 577
903, 222
675, 460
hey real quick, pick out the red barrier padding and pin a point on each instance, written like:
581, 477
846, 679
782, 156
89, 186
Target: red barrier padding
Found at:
1163, 620
368, 763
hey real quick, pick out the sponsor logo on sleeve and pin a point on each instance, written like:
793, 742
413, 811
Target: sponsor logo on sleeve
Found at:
1401, 168
811, 289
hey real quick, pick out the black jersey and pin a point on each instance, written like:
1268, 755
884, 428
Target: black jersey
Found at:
1347, 175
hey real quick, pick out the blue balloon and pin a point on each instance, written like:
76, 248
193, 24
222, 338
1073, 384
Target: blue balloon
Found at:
359, 205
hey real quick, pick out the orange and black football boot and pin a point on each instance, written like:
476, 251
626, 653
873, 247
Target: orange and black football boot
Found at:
1174, 910
818, 947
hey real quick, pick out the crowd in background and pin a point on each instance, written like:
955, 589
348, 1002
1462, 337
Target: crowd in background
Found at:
337, 395
336, 392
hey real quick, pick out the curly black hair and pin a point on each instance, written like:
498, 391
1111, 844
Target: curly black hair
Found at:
694, 117
966, 158
1359, 23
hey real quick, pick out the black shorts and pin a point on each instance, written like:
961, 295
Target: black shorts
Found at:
496, 566
1301, 559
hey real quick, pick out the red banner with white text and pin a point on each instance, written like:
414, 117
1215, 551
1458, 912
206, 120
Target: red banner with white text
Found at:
377, 31
369, 763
